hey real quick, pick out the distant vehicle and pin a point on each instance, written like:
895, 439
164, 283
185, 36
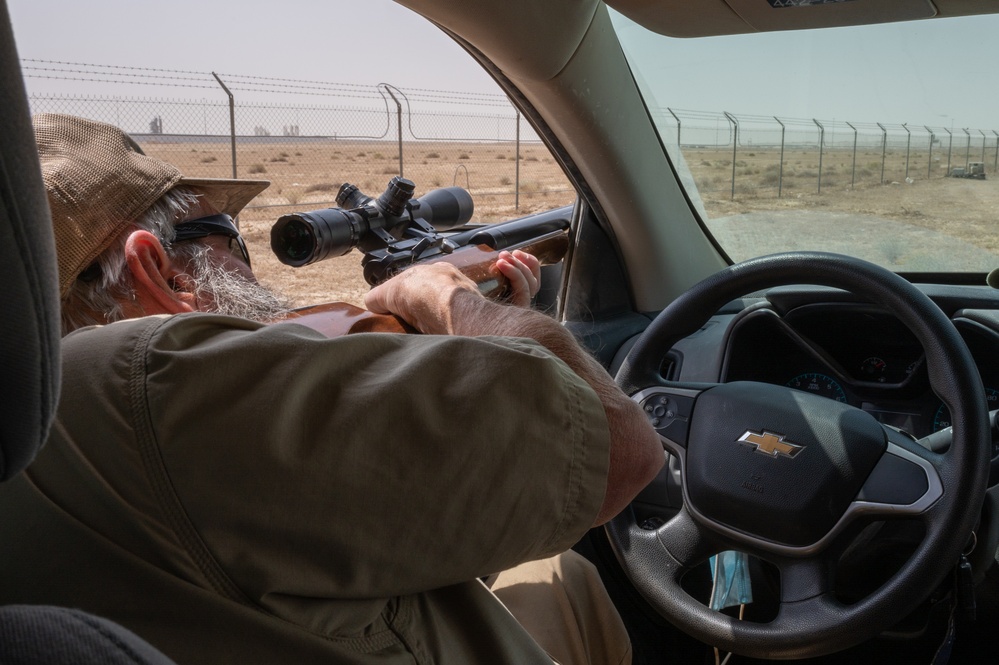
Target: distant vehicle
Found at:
974, 170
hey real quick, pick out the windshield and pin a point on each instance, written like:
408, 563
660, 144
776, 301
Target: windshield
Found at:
875, 141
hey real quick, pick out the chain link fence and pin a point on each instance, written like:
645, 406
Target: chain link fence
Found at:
309, 137
733, 156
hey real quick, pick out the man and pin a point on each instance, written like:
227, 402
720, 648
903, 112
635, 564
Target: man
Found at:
240, 491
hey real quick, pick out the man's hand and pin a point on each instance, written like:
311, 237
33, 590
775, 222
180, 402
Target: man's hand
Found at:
524, 272
422, 295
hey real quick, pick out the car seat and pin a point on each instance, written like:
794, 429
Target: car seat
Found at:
29, 380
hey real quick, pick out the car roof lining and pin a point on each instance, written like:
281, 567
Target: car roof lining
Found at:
525, 40
704, 18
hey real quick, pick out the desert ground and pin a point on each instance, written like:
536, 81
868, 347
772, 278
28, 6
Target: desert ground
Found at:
306, 174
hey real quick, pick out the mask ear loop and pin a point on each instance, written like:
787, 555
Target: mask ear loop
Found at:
730, 585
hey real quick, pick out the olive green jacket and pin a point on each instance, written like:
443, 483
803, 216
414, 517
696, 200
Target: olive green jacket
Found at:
242, 493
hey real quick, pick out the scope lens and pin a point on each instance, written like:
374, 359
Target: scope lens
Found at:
293, 241
306, 237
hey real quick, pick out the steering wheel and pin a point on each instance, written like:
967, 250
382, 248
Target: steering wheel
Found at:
786, 476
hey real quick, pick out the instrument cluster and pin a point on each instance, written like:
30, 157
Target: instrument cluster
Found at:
853, 354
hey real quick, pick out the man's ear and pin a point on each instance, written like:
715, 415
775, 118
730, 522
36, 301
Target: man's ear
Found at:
160, 287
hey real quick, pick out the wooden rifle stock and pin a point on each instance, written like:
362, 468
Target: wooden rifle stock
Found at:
477, 262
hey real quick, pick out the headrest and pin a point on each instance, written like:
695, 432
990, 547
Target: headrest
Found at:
29, 297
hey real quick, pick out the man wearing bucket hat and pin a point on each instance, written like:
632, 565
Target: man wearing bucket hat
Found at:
102, 188
235, 492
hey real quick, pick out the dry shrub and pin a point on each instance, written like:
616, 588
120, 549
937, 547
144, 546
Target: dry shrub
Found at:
257, 168
209, 159
323, 187
464, 155
770, 179
530, 187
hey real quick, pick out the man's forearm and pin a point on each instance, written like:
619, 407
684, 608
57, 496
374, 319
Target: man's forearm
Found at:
437, 299
636, 454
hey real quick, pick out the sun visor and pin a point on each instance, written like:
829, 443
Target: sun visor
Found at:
704, 18
767, 15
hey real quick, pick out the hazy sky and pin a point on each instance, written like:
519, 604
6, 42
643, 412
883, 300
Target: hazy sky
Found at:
371, 41
937, 72
362, 42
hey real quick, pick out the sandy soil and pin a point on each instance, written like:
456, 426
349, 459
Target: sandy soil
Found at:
306, 175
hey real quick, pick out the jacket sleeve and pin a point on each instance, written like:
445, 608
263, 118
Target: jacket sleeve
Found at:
365, 466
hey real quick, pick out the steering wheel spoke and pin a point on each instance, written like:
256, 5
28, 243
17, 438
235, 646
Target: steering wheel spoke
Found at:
688, 542
676, 546
905, 482
804, 579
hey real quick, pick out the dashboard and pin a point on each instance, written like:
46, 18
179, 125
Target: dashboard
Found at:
827, 342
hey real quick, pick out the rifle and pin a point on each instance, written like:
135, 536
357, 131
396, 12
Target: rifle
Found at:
395, 232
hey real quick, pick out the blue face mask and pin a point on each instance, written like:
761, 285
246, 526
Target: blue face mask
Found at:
730, 575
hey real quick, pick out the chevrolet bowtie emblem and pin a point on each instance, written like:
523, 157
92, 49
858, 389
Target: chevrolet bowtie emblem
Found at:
771, 444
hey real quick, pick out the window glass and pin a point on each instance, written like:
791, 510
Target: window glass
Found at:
875, 141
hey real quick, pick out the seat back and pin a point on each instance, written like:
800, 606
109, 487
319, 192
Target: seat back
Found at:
29, 299
29, 380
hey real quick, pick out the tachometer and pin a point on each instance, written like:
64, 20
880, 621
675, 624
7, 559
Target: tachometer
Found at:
942, 418
819, 384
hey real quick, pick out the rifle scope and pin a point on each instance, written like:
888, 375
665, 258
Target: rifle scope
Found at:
302, 238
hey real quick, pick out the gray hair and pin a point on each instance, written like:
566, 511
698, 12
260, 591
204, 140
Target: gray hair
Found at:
99, 300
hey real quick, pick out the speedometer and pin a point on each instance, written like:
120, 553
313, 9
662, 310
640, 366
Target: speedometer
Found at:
818, 384
942, 418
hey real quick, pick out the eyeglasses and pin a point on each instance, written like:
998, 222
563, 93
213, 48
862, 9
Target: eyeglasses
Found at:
213, 225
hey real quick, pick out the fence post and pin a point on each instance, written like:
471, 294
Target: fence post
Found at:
967, 150
232, 122
884, 150
398, 117
908, 146
929, 161
950, 147
232, 131
516, 167
735, 144
822, 137
983, 146
853, 169
678, 145
780, 168
995, 165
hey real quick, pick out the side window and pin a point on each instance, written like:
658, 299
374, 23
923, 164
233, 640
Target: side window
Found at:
308, 138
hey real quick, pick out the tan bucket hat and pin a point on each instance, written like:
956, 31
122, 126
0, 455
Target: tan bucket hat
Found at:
98, 181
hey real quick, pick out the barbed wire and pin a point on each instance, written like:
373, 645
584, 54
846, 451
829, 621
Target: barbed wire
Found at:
118, 74
691, 119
